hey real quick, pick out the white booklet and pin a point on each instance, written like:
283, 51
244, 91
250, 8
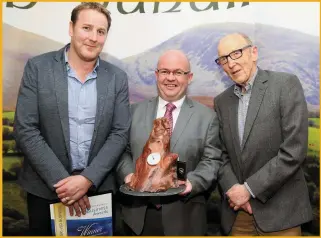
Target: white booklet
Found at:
98, 221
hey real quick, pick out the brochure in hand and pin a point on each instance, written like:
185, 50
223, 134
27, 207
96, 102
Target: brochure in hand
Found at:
98, 220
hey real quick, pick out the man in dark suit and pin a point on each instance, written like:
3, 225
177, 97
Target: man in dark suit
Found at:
194, 139
72, 120
264, 131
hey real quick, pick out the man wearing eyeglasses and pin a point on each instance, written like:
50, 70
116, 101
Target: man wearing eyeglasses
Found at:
264, 132
194, 138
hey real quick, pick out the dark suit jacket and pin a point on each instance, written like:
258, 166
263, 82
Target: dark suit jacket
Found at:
274, 147
42, 125
194, 139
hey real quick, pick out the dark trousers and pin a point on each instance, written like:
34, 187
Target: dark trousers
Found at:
153, 225
39, 215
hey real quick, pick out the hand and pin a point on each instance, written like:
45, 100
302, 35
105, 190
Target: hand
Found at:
79, 206
238, 195
188, 188
128, 178
72, 188
246, 207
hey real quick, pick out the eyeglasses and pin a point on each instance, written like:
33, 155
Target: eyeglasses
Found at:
176, 73
233, 55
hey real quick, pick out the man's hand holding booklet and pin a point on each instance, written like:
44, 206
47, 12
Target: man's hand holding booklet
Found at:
96, 222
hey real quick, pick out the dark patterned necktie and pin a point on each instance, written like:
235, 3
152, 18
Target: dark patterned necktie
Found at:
170, 107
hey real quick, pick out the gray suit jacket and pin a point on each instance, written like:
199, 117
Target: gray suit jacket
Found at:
195, 139
274, 148
42, 125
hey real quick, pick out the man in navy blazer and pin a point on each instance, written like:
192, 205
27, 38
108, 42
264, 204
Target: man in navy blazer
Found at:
72, 120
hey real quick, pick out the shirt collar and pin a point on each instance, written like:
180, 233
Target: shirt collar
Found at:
68, 65
162, 103
249, 85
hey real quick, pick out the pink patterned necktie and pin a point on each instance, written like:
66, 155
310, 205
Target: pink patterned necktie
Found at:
170, 107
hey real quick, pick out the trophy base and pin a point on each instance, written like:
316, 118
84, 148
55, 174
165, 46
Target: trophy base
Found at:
172, 191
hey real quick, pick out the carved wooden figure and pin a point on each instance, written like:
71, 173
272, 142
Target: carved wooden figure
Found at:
156, 167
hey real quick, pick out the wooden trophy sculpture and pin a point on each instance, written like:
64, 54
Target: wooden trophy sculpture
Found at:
156, 167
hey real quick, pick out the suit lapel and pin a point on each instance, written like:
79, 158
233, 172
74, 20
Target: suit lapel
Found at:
61, 89
182, 121
102, 81
257, 95
233, 112
151, 113
146, 125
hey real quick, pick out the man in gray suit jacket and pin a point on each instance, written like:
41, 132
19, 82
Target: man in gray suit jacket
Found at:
72, 120
264, 132
194, 139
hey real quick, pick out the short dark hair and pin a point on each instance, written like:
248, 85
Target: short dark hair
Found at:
93, 6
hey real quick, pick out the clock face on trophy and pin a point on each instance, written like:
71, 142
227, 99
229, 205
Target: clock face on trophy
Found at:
153, 158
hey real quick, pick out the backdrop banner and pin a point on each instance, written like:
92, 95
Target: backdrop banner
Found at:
286, 34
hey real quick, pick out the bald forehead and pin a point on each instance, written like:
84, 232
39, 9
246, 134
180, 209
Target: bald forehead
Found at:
174, 58
230, 43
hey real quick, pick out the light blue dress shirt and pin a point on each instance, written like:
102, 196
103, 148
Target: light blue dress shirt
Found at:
82, 103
